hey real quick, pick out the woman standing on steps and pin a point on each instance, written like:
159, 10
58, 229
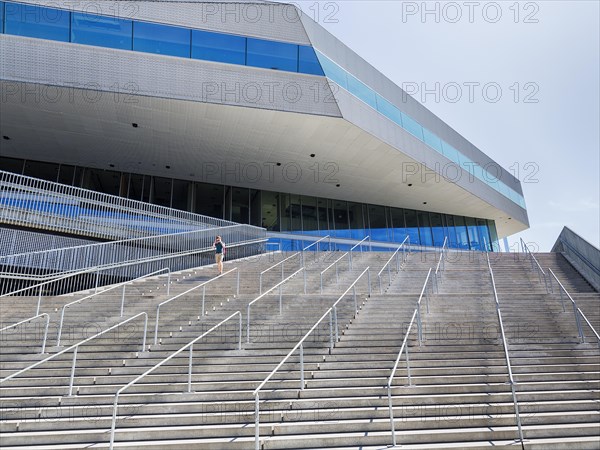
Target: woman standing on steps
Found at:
219, 247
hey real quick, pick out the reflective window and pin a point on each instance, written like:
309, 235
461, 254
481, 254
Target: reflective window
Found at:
377, 223
161, 39
308, 62
37, 22
360, 90
1, 17
161, 191
218, 47
309, 213
255, 208
106, 181
451, 230
272, 55
433, 141
270, 211
240, 211
474, 237
334, 72
356, 218
437, 229
181, 194
412, 126
388, 110
461, 232
101, 31
12, 165
398, 224
43, 170
208, 199
412, 226
425, 229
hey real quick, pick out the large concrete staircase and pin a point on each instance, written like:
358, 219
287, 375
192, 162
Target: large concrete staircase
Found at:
458, 397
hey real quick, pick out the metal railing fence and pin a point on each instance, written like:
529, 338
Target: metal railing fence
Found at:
30, 319
576, 310
441, 265
337, 273
33, 202
405, 247
202, 308
121, 260
535, 265
332, 313
189, 346
506, 355
282, 264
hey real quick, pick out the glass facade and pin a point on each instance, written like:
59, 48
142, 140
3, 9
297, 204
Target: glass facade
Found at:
125, 34
389, 110
276, 211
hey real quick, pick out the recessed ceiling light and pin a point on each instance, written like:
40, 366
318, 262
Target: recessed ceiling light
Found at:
278, 164
134, 125
111, 165
167, 167
6, 138
424, 203
312, 155
337, 185
409, 184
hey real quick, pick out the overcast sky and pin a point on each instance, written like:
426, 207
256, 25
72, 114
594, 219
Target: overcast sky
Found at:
543, 55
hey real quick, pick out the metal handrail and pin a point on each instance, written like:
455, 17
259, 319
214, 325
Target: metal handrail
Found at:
356, 245
535, 264
201, 285
278, 285
97, 269
404, 348
441, 263
14, 325
310, 245
189, 345
395, 254
506, 355
275, 265
123, 284
335, 263
576, 310
332, 313
76, 346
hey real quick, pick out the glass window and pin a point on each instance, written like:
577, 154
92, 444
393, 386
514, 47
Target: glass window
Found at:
296, 212
99, 180
425, 228
240, 211
255, 208
209, 199
309, 214
412, 226
161, 39
450, 152
272, 55
433, 141
461, 232
308, 62
493, 235
340, 217
437, 229
388, 110
356, 218
323, 216
66, 174
270, 208
218, 47
398, 224
12, 165
181, 195
1, 17
474, 238
333, 71
43, 170
377, 223
412, 126
161, 192
37, 22
451, 230
101, 31
362, 91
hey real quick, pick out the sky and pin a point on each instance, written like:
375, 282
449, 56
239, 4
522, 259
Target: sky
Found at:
535, 101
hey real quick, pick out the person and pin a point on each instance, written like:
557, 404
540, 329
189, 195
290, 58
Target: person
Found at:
219, 247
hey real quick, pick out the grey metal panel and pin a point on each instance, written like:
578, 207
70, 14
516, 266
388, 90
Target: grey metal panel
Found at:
274, 21
581, 254
329, 45
102, 69
363, 116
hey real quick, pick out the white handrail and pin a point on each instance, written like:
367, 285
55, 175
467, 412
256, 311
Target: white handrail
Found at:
337, 278
278, 285
201, 285
576, 310
506, 355
332, 313
404, 348
189, 345
123, 284
535, 264
275, 265
76, 346
442, 263
14, 325
356, 245
395, 254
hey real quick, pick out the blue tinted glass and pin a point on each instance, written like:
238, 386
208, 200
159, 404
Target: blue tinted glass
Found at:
1, 17
388, 110
333, 71
450, 152
308, 62
162, 39
38, 22
433, 141
272, 55
218, 47
362, 91
101, 31
412, 126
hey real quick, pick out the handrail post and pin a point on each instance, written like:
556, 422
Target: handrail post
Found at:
123, 300
330, 332
168, 281
97, 277
369, 282
260, 283
45, 334
321, 277
380, 286
301, 367
304, 273
280, 299
237, 291
190, 359
248, 325
407, 365
256, 422
419, 325
240, 333
72, 378
203, 311
391, 408
39, 301
335, 320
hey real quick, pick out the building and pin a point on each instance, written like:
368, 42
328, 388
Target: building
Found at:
246, 111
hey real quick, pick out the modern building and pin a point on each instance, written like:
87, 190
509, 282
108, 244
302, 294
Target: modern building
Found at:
246, 111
